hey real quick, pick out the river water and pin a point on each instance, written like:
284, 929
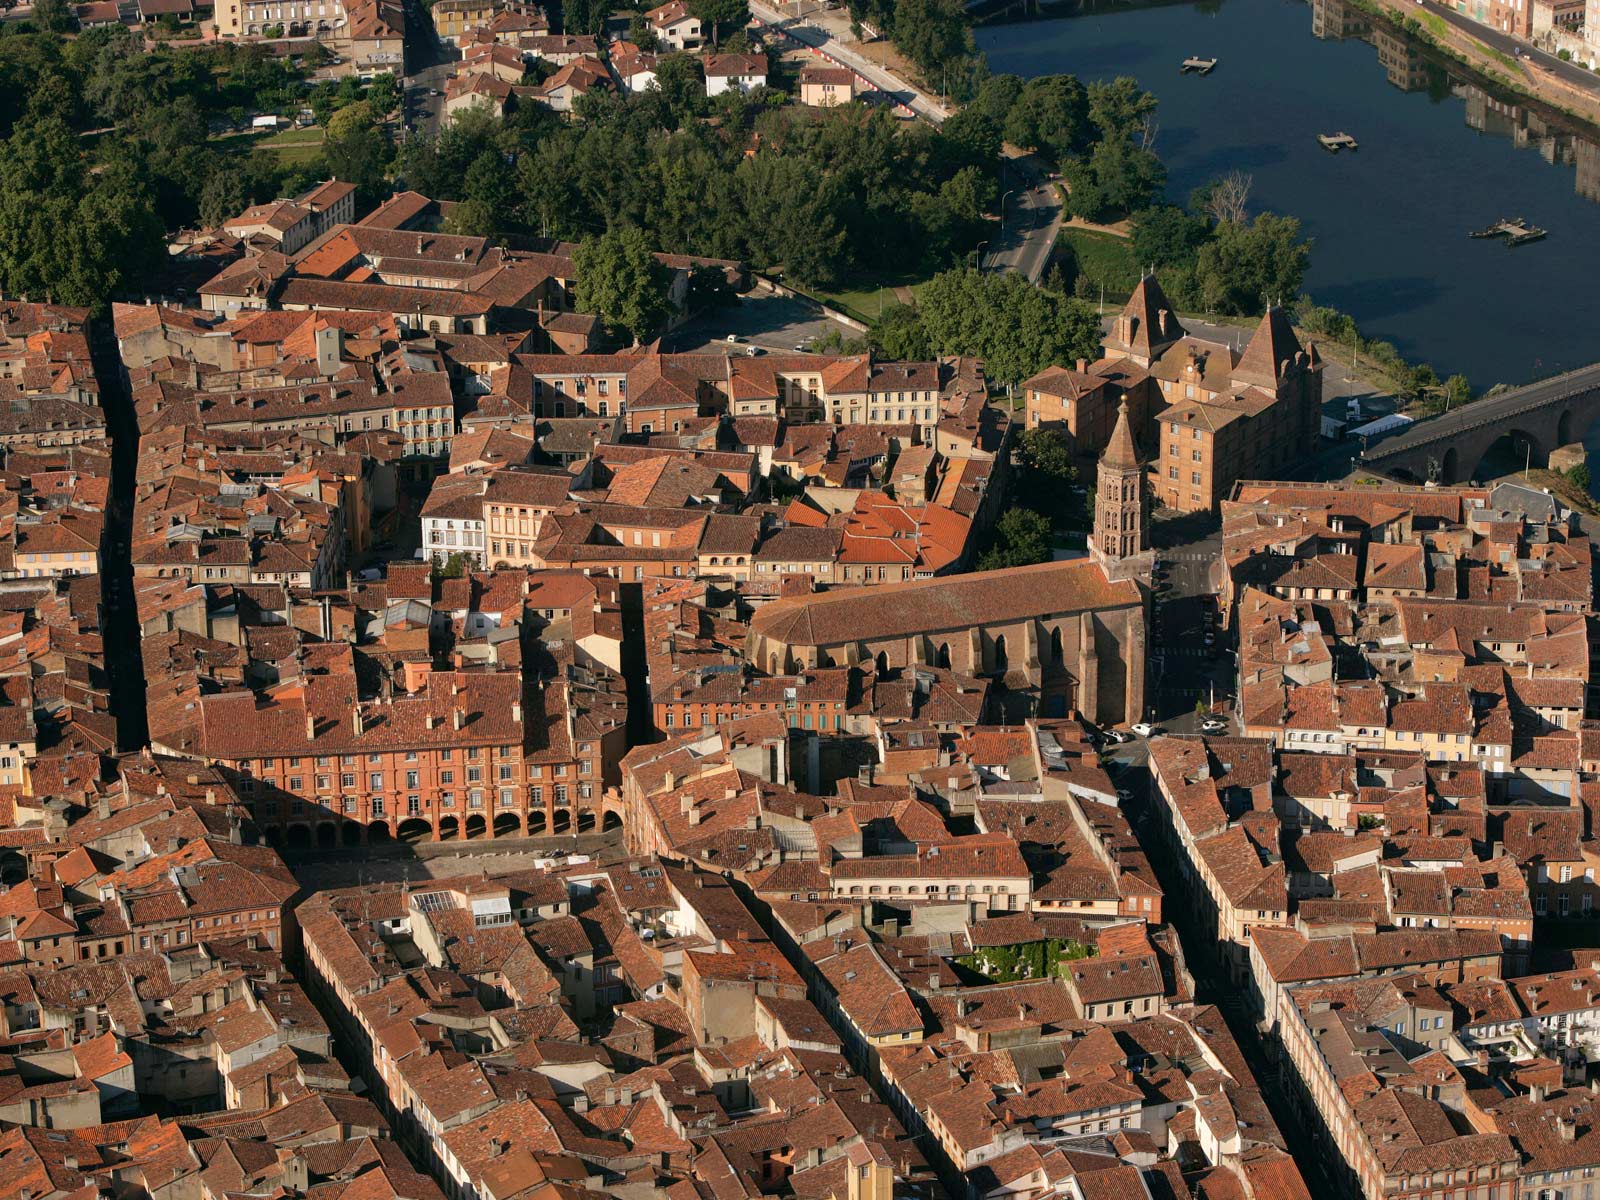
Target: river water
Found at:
1437, 159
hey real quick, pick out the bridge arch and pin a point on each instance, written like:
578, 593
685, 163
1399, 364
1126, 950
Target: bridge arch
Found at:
1564, 428
1513, 450
1450, 468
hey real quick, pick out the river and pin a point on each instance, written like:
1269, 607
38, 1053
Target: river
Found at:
1438, 158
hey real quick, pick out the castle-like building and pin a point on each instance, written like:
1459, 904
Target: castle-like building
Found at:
1206, 414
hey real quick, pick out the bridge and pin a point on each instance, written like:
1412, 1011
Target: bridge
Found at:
1536, 418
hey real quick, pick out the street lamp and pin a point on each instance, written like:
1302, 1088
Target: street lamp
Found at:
1003, 200
978, 253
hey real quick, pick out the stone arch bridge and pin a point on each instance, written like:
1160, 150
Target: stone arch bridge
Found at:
1537, 417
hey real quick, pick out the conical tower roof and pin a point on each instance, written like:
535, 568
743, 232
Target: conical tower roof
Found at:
1121, 454
1148, 322
1272, 345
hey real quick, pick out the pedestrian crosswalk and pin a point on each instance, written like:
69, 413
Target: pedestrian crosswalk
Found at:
1188, 556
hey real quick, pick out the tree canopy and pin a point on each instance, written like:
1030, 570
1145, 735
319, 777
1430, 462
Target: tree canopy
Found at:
621, 281
1016, 328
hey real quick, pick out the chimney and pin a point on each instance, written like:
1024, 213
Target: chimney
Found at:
355, 719
457, 717
516, 712
311, 727
1083, 366
1537, 1092
1567, 1128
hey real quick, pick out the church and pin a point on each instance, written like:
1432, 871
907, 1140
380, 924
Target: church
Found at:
1060, 636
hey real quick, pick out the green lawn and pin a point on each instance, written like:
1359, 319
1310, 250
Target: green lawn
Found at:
291, 146
862, 300
1104, 258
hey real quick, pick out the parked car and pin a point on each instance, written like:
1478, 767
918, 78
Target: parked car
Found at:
1117, 736
1213, 725
1124, 796
803, 347
755, 350
733, 339
1144, 729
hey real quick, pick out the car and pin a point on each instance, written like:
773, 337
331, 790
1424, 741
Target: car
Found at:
1213, 725
369, 575
803, 347
733, 339
1210, 638
1143, 728
755, 350
1117, 736
1124, 795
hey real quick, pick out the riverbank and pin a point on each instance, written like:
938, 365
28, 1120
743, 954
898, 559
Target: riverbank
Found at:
1499, 60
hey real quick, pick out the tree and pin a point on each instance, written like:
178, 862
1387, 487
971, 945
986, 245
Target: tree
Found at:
1051, 116
1166, 236
1016, 328
383, 93
585, 16
681, 80
620, 280
974, 135
75, 236
1226, 198
641, 33
53, 16
1578, 476
714, 14
356, 147
1021, 538
968, 194
900, 334
995, 96
1121, 111
1115, 178
1245, 266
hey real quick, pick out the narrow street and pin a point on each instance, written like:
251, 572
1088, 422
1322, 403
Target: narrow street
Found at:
119, 626
1211, 984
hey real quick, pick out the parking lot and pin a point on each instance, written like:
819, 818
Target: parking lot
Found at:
774, 323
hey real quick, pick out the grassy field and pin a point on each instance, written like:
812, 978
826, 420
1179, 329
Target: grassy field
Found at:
291, 146
863, 300
1104, 258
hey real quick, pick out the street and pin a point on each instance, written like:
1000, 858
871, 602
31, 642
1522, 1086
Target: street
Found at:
1572, 73
1029, 223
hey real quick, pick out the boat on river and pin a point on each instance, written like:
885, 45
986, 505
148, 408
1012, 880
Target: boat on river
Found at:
1200, 66
1515, 230
1335, 142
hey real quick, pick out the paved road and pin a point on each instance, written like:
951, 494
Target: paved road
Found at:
1570, 72
808, 32
429, 63
1030, 218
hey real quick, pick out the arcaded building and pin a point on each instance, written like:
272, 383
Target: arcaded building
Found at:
1062, 633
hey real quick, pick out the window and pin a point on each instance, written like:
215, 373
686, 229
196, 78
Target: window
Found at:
375, 781
411, 779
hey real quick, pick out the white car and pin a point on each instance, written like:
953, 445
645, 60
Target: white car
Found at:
1143, 728
733, 339
1116, 736
1214, 726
